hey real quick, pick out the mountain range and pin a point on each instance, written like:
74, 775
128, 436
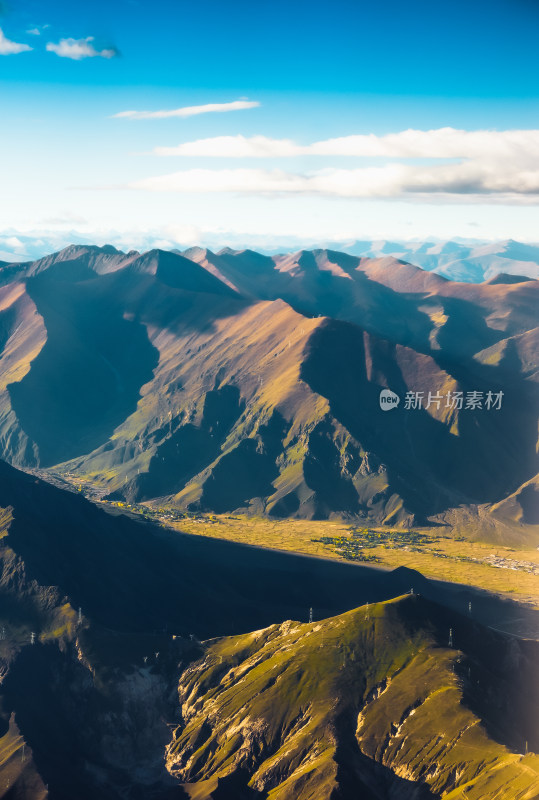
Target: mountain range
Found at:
235, 380
138, 662
459, 260
467, 260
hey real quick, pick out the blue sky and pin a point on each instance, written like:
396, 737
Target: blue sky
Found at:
294, 103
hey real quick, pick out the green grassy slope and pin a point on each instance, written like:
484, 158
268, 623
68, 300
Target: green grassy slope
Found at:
370, 703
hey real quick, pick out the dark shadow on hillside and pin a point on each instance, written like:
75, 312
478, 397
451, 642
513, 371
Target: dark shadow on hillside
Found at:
428, 466
7, 323
364, 302
181, 310
235, 787
466, 331
87, 378
191, 447
362, 777
182, 273
63, 715
496, 672
247, 470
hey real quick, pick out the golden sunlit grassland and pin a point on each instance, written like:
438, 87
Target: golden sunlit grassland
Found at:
461, 551
435, 552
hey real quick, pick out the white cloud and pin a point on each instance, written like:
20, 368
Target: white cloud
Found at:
462, 181
188, 111
440, 143
13, 242
493, 165
78, 49
234, 147
9, 48
38, 30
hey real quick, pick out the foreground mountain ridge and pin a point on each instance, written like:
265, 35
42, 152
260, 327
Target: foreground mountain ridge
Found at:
369, 703
117, 697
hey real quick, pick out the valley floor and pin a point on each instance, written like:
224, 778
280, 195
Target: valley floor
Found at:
457, 551
438, 553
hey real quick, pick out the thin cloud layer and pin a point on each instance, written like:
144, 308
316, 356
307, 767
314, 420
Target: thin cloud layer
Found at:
77, 49
235, 147
440, 143
9, 48
461, 181
188, 111
37, 30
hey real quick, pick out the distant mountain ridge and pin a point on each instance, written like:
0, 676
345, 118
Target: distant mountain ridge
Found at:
466, 260
471, 262
236, 380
